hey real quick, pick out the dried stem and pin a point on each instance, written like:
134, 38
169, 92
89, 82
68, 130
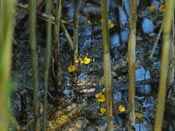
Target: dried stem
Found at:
75, 37
155, 44
171, 60
107, 66
69, 39
164, 65
131, 64
56, 40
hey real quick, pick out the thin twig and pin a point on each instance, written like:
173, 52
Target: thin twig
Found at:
69, 39
155, 44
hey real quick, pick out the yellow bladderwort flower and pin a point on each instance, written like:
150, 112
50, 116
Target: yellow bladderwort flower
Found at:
100, 97
102, 111
139, 115
87, 60
79, 60
121, 108
71, 68
152, 8
161, 8
111, 25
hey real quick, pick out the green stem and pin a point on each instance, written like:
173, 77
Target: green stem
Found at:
48, 54
32, 22
7, 9
75, 37
56, 39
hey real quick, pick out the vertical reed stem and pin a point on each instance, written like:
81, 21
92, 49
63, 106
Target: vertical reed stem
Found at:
7, 9
48, 54
164, 65
32, 37
56, 40
131, 64
107, 65
75, 37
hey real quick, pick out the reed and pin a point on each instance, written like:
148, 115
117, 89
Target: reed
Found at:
56, 40
75, 37
131, 64
32, 37
7, 10
107, 66
170, 82
164, 64
48, 56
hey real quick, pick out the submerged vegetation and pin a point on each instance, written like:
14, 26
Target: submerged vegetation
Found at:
87, 65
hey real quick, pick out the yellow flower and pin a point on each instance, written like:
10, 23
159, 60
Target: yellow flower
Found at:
152, 8
71, 68
121, 108
102, 111
87, 60
79, 60
111, 25
139, 115
161, 8
100, 97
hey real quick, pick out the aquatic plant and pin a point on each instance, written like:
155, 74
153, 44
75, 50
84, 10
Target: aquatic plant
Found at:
100, 97
72, 68
102, 111
121, 108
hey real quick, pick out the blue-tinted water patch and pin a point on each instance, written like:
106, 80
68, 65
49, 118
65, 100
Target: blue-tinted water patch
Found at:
147, 26
124, 33
115, 41
142, 74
